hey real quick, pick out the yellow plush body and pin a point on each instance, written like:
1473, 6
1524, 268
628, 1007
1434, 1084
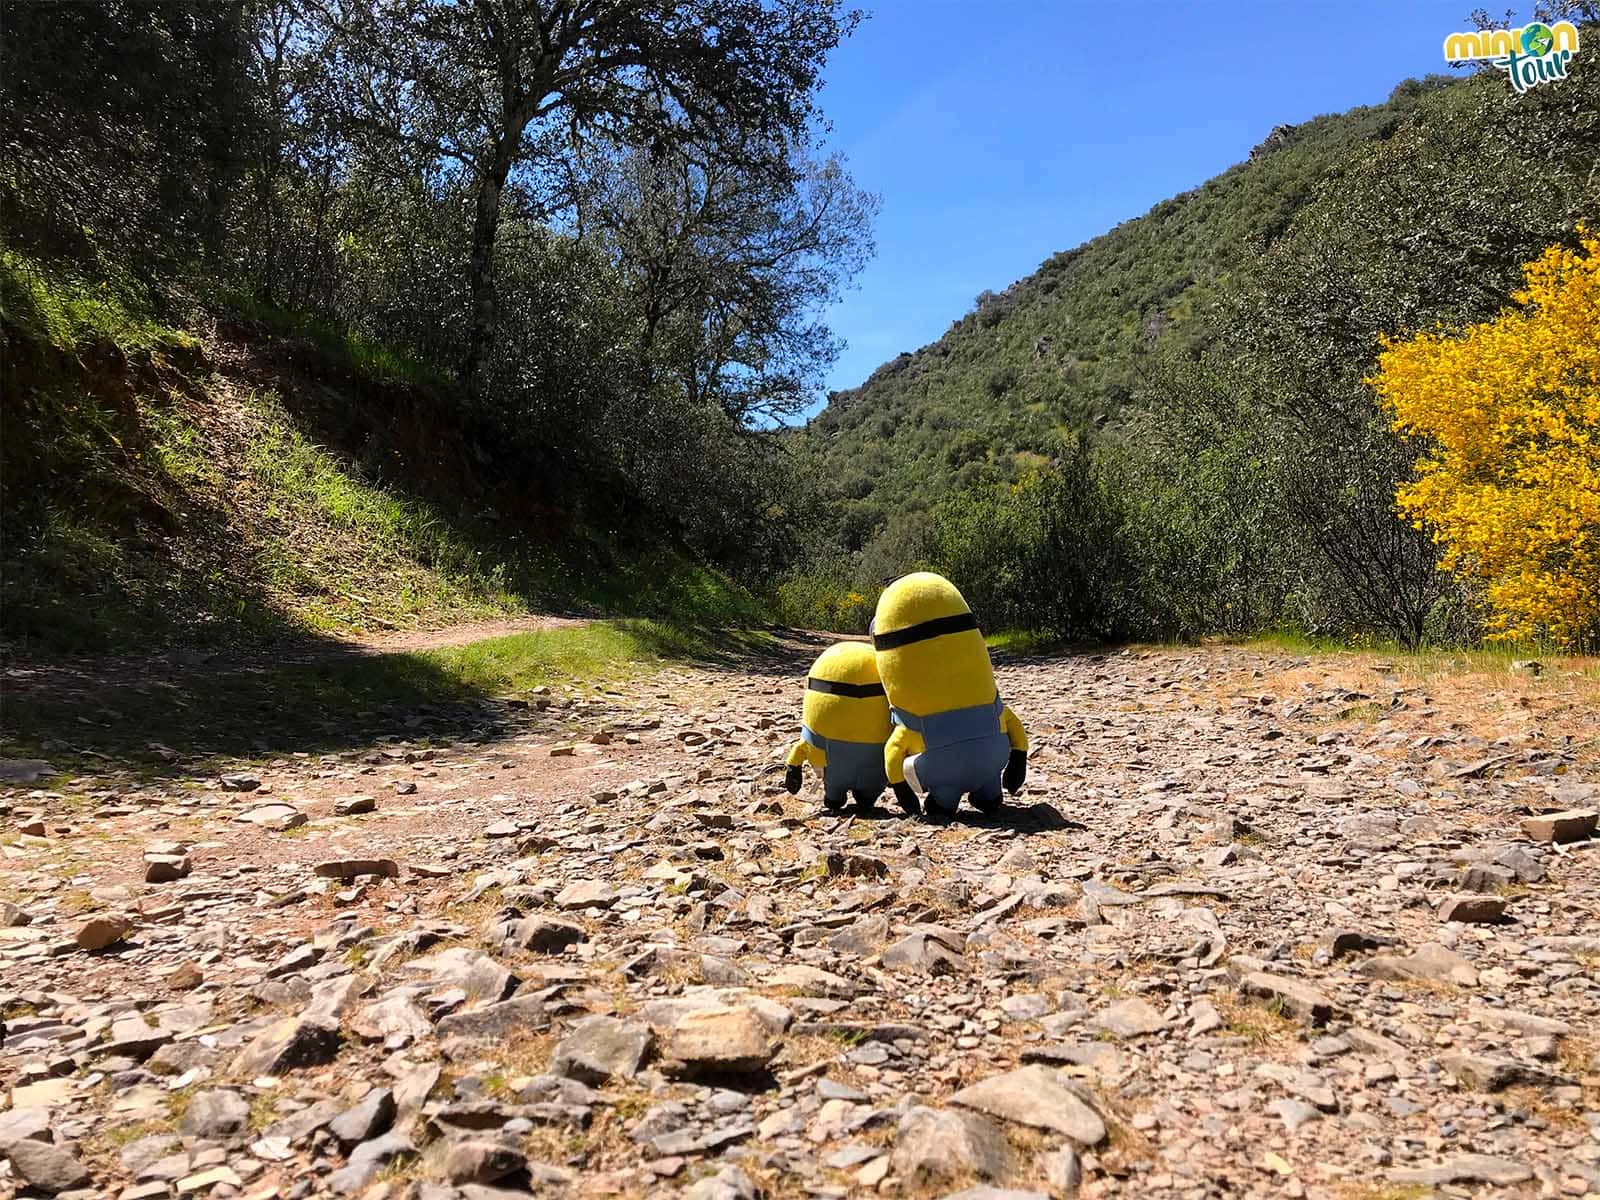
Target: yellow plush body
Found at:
952, 735
844, 724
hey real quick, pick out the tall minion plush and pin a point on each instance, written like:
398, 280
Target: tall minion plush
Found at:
953, 736
843, 725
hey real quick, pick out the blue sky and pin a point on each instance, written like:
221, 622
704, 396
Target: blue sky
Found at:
999, 132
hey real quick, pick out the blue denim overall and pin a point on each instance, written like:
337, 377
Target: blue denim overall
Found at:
966, 752
852, 767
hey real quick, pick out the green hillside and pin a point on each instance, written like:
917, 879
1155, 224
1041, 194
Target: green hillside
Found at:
1169, 431
1063, 349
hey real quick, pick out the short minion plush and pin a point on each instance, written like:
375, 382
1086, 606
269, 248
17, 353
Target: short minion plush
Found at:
844, 723
953, 736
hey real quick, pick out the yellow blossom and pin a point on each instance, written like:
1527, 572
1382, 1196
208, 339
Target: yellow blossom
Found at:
1511, 484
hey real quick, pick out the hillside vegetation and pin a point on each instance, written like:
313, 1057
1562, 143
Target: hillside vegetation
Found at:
1061, 350
1168, 431
258, 476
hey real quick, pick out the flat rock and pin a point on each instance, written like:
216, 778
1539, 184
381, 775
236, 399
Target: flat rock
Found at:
202, 1182
395, 1018
600, 1049
276, 816
474, 972
730, 1183
47, 1168
1473, 909
586, 893
1573, 825
288, 1045
100, 932
729, 1038
354, 868
1293, 996
1036, 1096
934, 1146
802, 980
1127, 1019
20, 1123
1464, 1168
215, 1115
1429, 961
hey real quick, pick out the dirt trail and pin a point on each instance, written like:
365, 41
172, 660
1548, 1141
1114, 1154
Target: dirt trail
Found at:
1205, 953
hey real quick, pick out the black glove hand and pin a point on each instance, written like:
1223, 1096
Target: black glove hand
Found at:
1016, 772
908, 799
791, 781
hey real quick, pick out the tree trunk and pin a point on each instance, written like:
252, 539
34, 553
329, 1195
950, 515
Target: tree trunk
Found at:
486, 223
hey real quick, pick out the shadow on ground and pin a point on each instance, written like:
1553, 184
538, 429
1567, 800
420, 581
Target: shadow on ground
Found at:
171, 711
163, 713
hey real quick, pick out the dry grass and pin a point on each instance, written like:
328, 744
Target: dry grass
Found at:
405, 1169
263, 1111
799, 1052
76, 902
1533, 1102
525, 1053
1261, 1025
178, 1105
122, 1135
773, 1184
559, 1144
1383, 1191
604, 1145
1578, 1056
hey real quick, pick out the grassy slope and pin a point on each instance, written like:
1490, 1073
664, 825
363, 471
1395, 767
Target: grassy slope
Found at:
1061, 349
267, 478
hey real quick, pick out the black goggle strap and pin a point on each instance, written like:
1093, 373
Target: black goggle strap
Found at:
922, 631
835, 688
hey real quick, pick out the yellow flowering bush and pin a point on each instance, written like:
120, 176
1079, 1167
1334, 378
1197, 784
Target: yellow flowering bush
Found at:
1511, 485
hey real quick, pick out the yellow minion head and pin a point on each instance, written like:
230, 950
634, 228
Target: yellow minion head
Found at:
844, 696
931, 655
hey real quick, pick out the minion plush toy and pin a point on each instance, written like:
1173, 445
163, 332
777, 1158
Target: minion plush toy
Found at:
844, 722
953, 736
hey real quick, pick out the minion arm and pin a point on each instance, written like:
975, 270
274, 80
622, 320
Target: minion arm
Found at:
1016, 772
1014, 731
802, 752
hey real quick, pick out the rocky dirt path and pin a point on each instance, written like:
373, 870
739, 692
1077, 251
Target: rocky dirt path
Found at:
1258, 926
